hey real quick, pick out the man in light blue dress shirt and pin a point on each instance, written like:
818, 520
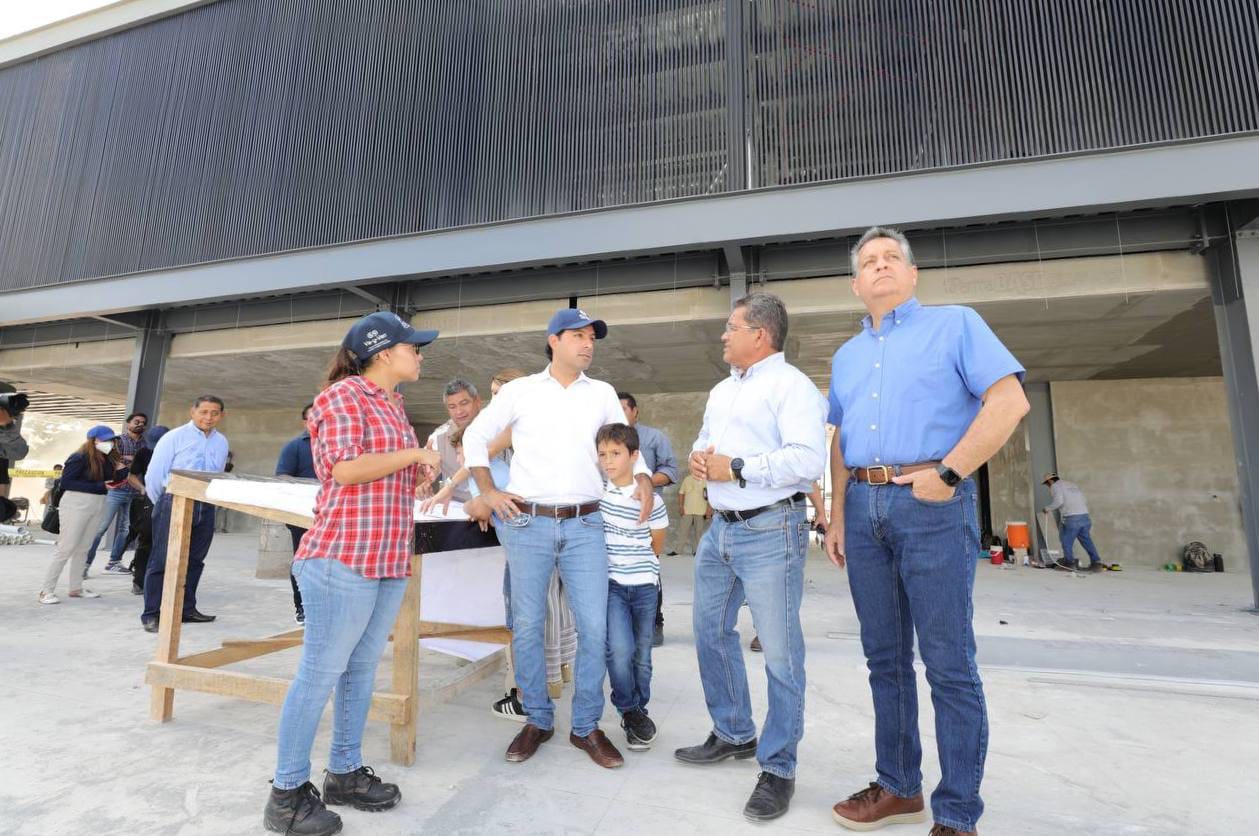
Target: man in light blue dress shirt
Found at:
762, 445
920, 398
197, 445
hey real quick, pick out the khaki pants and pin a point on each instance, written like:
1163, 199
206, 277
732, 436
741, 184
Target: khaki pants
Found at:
81, 513
690, 529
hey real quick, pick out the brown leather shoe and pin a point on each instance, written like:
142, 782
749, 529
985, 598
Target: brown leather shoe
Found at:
599, 748
527, 742
875, 807
945, 830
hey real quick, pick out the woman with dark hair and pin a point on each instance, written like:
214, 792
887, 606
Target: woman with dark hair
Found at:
351, 568
83, 482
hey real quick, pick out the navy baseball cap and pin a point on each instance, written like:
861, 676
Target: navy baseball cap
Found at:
378, 331
101, 433
570, 319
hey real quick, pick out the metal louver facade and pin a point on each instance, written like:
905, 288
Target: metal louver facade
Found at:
246, 127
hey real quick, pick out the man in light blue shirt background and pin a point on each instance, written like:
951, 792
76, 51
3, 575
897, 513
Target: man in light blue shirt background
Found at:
197, 445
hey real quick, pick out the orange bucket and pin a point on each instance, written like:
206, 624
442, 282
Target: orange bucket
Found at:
1018, 535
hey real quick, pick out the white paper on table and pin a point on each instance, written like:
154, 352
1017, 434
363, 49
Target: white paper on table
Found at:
463, 587
299, 498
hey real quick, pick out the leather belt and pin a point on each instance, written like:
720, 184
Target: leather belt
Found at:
882, 474
738, 516
558, 512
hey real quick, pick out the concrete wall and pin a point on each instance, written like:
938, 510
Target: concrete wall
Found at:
1155, 460
1008, 482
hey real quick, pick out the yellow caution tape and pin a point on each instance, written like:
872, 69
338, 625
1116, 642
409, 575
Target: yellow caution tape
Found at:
20, 473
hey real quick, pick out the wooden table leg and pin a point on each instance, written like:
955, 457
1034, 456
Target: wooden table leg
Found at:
170, 618
406, 668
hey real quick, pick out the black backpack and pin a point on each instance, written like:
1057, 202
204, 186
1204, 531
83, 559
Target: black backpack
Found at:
1197, 558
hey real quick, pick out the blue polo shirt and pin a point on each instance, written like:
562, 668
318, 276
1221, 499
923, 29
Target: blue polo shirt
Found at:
296, 459
907, 392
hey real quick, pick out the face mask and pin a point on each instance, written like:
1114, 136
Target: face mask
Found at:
105, 447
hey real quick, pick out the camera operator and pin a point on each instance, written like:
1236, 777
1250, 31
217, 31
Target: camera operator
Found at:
12, 445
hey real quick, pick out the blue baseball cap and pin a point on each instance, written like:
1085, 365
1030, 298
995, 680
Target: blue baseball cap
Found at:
378, 331
570, 319
101, 433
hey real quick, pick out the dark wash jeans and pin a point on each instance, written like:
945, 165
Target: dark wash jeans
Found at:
911, 568
631, 625
155, 573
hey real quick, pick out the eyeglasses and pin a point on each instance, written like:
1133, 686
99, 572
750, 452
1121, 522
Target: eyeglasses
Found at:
731, 328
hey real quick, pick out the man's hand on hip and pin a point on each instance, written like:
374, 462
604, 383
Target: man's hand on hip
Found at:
502, 503
927, 485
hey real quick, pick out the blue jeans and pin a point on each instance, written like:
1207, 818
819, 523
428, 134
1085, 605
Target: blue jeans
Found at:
199, 546
631, 625
348, 619
117, 507
1077, 527
911, 567
536, 547
760, 560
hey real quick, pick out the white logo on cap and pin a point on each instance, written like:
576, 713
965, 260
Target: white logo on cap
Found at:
583, 314
374, 338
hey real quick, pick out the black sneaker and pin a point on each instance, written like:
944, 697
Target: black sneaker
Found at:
1097, 566
509, 708
640, 731
300, 812
136, 589
1066, 565
300, 616
360, 789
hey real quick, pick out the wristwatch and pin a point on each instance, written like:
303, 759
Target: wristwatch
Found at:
736, 467
950, 476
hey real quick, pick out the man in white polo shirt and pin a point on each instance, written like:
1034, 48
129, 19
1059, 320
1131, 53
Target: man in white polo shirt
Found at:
548, 519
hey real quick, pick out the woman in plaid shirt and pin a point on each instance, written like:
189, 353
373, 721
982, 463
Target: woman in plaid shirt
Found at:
351, 568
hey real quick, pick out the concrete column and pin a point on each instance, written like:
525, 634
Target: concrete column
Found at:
148, 365
1041, 454
1234, 271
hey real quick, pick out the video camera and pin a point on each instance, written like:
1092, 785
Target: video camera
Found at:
14, 403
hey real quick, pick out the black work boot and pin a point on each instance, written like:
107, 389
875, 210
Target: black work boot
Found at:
770, 799
299, 812
360, 789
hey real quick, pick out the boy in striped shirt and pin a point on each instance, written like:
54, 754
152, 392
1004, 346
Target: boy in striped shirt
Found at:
633, 575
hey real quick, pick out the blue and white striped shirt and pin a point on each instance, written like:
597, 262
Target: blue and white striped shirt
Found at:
631, 561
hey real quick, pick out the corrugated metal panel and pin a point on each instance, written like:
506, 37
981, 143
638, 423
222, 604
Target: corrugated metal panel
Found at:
855, 88
253, 126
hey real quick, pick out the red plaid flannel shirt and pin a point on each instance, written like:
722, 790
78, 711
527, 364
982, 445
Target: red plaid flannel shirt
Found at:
368, 527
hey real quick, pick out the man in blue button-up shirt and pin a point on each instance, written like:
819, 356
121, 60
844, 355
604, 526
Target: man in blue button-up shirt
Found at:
197, 445
920, 399
762, 445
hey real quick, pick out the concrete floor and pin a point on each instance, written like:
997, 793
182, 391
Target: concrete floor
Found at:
1120, 704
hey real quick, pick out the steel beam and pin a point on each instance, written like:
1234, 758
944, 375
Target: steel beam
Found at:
1234, 271
148, 365
1183, 173
1042, 455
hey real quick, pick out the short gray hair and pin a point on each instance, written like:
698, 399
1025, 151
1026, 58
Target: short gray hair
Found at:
881, 232
765, 310
458, 385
